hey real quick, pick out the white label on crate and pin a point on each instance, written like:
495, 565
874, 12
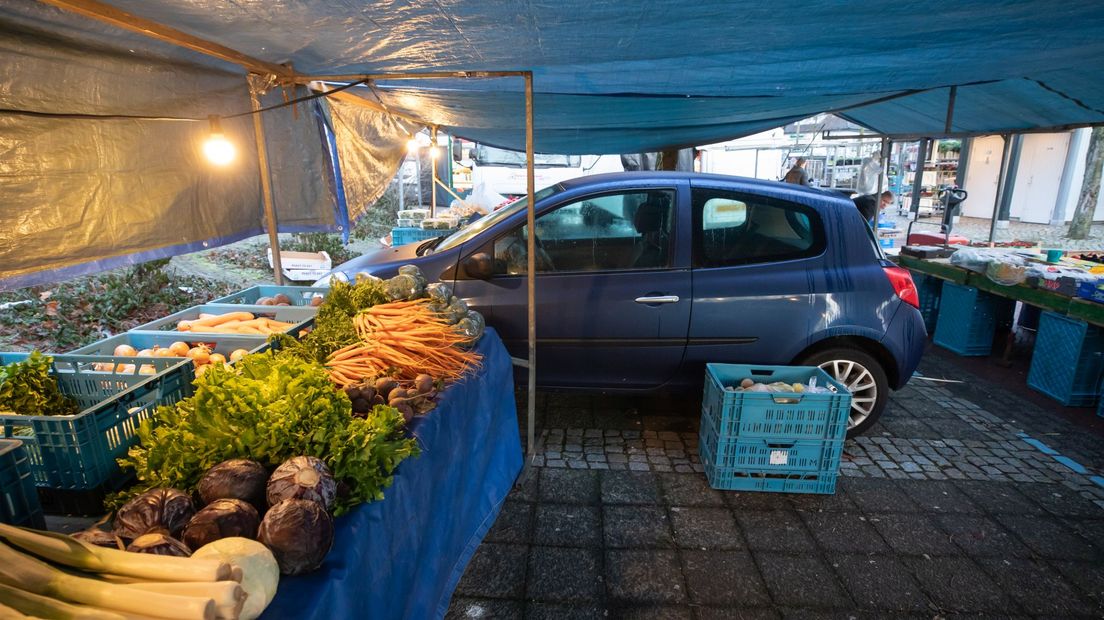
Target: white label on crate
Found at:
779, 457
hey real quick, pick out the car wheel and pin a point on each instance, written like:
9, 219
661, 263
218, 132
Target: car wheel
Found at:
863, 375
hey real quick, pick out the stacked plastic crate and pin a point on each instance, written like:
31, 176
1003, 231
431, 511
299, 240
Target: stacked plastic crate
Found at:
788, 442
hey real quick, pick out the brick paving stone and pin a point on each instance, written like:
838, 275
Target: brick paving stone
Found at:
636, 466
465, 607
878, 495
957, 584
1050, 539
564, 574
1060, 503
1088, 577
879, 582
982, 537
514, 523
660, 467
940, 497
801, 582
913, 534
723, 578
1039, 589
636, 526
618, 466
495, 571
600, 465
705, 528
535, 610
654, 612
567, 525
577, 464
689, 490
775, 531
644, 576
556, 464
844, 532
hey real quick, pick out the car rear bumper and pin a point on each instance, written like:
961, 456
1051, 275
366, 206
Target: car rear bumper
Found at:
905, 339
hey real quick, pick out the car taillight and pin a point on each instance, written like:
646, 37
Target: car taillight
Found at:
903, 285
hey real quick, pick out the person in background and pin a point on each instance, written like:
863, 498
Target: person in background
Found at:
870, 204
797, 174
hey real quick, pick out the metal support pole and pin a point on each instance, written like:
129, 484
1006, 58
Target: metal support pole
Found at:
531, 268
266, 189
1004, 211
918, 179
418, 175
1000, 186
402, 184
881, 177
433, 165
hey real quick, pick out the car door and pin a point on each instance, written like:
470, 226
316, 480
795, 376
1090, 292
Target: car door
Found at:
612, 291
753, 259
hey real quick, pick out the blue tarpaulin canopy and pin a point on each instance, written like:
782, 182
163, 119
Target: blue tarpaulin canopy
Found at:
609, 77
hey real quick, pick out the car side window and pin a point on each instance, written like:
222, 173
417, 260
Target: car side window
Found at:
608, 232
732, 228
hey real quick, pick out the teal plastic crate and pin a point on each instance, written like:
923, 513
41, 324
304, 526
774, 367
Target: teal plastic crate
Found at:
301, 316
770, 465
930, 292
299, 295
404, 235
1068, 360
18, 495
967, 319
734, 415
217, 343
78, 452
777, 442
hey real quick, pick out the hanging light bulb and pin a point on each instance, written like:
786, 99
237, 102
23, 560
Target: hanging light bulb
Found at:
218, 150
434, 151
412, 145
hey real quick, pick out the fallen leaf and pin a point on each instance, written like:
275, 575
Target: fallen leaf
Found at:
44, 295
52, 308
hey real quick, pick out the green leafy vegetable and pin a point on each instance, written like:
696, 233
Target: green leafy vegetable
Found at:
28, 388
333, 327
269, 408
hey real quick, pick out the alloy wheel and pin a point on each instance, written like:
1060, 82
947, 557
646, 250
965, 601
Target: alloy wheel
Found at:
860, 382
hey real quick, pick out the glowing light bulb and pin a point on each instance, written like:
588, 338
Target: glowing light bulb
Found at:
412, 145
434, 151
217, 149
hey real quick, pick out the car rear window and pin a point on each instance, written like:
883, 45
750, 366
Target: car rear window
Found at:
731, 228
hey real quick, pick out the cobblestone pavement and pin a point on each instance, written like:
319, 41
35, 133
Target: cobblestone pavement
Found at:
966, 500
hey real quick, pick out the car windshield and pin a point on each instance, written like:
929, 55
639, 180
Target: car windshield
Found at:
485, 222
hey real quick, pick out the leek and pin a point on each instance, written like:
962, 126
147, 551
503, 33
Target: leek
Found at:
77, 554
26, 573
229, 596
38, 606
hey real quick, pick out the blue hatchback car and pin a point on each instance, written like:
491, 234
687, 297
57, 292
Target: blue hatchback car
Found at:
643, 277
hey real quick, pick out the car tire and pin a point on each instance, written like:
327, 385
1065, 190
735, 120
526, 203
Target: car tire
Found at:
861, 373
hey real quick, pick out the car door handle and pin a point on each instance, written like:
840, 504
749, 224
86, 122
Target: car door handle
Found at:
658, 299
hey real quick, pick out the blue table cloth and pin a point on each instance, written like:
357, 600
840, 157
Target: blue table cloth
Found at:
403, 556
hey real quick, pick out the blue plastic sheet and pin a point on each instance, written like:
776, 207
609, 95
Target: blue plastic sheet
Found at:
403, 556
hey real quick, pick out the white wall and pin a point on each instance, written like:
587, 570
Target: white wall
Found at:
1042, 158
981, 176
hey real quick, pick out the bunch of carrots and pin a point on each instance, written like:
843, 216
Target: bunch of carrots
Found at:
404, 339
234, 323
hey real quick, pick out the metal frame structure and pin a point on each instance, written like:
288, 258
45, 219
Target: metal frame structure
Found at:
285, 75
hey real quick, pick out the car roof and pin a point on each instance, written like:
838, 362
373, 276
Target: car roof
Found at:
773, 187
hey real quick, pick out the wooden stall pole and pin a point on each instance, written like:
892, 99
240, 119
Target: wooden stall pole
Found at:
266, 187
531, 268
433, 150
1002, 181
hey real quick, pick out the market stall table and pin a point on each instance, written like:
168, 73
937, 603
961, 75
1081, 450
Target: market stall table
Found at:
1087, 311
401, 557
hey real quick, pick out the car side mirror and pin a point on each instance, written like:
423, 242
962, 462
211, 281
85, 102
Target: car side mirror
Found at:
478, 266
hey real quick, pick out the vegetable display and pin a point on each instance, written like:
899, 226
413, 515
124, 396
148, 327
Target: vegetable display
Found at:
404, 339
167, 510
268, 408
235, 479
49, 575
299, 533
238, 322
28, 388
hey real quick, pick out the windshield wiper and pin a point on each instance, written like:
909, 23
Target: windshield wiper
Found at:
428, 246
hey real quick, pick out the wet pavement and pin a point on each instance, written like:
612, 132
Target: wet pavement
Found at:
972, 497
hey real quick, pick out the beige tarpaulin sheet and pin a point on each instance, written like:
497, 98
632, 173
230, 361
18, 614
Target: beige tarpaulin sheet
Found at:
79, 195
370, 147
